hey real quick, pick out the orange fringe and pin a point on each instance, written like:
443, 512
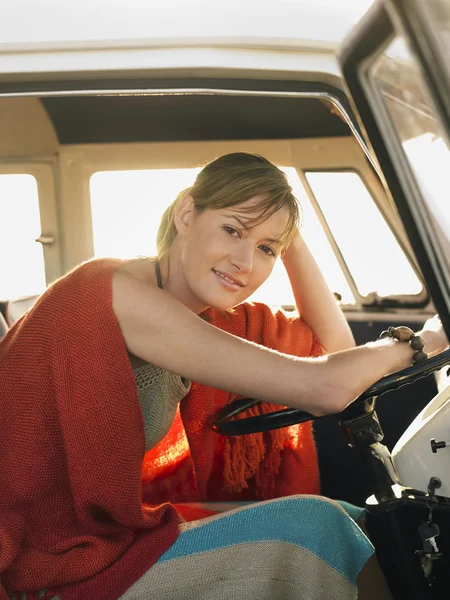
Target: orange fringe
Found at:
258, 455
255, 455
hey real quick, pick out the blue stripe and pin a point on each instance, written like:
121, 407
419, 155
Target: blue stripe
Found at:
311, 523
356, 512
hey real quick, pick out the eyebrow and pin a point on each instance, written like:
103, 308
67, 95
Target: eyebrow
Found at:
241, 223
244, 226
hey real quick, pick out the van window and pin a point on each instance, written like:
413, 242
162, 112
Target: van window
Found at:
22, 269
277, 290
437, 13
373, 255
399, 81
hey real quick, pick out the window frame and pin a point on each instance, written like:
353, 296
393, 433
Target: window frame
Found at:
411, 19
360, 50
418, 301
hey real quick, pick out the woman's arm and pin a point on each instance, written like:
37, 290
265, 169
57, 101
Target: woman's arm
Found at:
315, 302
160, 330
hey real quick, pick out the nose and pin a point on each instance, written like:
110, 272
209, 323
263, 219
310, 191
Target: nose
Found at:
242, 258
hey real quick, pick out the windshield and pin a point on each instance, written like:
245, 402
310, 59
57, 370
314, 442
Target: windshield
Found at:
404, 93
437, 13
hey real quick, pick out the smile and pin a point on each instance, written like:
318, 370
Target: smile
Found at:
230, 282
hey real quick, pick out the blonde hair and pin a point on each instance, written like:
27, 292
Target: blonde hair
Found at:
229, 181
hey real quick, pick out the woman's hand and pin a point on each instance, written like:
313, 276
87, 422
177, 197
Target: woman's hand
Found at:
293, 247
433, 335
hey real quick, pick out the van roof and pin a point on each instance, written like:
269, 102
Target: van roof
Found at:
96, 23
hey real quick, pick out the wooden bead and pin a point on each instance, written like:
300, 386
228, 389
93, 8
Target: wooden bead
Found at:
417, 343
419, 357
402, 334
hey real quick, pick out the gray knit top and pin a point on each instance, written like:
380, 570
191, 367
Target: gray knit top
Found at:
159, 395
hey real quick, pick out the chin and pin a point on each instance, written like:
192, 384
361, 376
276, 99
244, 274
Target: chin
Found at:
219, 300
222, 304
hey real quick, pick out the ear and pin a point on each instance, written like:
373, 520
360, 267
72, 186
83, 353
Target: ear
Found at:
184, 214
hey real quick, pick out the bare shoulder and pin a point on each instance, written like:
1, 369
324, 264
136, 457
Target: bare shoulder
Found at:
135, 305
134, 291
140, 268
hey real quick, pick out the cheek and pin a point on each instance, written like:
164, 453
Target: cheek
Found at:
195, 245
262, 269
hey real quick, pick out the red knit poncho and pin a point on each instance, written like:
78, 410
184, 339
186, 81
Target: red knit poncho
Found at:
72, 445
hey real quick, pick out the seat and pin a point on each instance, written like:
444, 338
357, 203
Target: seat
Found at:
15, 309
3, 326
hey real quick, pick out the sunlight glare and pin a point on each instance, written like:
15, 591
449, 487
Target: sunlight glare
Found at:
22, 272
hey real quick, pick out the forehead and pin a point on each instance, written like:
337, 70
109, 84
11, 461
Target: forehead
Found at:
250, 214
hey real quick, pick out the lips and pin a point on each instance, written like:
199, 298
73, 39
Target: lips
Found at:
228, 278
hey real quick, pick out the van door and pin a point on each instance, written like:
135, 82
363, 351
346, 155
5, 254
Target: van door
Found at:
395, 63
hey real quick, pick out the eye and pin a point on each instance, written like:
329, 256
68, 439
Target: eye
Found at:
268, 250
231, 231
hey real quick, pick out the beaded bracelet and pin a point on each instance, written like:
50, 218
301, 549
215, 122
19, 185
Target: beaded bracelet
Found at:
405, 334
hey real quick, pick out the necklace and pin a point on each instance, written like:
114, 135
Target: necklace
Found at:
158, 274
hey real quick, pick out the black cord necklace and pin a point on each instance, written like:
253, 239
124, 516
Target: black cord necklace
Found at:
158, 274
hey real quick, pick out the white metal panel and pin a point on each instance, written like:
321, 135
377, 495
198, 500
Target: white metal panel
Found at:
167, 62
26, 129
414, 460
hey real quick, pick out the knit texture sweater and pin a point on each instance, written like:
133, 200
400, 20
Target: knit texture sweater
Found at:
72, 519
159, 393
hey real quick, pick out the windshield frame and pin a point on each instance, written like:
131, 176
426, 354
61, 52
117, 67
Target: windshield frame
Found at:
411, 18
359, 52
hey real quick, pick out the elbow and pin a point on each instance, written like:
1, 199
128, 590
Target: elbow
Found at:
344, 342
332, 404
332, 397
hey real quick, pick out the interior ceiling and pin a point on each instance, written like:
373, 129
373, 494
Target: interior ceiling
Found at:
112, 119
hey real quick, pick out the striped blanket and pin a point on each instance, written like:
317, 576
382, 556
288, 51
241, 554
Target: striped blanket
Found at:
300, 547
295, 548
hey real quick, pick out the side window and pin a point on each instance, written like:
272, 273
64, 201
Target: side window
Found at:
277, 290
22, 269
375, 259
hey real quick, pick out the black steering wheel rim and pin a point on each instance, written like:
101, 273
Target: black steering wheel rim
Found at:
292, 416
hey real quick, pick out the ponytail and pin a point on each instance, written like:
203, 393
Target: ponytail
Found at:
167, 232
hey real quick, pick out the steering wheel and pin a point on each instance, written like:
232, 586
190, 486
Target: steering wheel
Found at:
292, 416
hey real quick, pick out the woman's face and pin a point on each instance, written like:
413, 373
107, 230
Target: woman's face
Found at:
225, 257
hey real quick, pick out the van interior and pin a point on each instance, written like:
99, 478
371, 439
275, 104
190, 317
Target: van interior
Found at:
89, 174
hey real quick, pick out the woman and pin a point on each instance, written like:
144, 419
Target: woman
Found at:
91, 378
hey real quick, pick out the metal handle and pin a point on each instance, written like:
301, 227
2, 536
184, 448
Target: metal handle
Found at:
46, 240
